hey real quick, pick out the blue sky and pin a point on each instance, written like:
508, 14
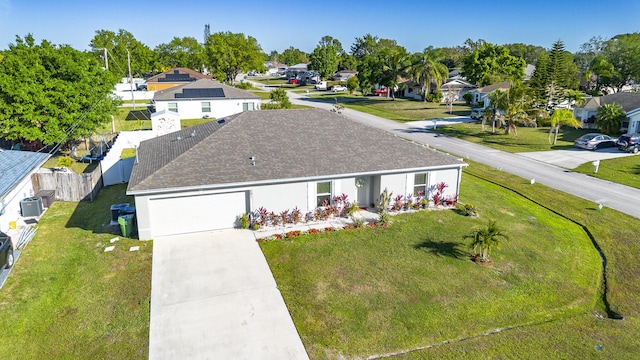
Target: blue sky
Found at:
280, 24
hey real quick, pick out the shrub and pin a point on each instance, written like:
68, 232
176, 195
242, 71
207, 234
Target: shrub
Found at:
358, 222
296, 215
353, 84
243, 221
467, 98
434, 97
280, 96
384, 219
64, 161
244, 85
468, 210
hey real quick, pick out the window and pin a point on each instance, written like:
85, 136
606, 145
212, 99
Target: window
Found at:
173, 106
248, 106
419, 184
206, 106
323, 192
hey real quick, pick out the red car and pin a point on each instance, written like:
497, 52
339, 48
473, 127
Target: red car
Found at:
294, 81
380, 92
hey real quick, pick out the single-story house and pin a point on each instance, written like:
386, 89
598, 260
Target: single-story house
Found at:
344, 75
174, 77
296, 72
480, 95
204, 177
274, 68
630, 102
16, 168
411, 90
205, 98
457, 87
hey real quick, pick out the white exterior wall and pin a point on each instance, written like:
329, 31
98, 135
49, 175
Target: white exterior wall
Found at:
582, 115
11, 202
396, 183
348, 186
450, 177
280, 197
192, 109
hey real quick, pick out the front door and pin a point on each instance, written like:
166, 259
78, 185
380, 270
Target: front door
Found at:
363, 184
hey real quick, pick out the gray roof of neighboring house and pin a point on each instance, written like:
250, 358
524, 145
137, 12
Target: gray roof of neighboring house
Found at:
489, 88
628, 100
15, 165
177, 93
193, 75
286, 144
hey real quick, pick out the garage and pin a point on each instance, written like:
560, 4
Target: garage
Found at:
193, 213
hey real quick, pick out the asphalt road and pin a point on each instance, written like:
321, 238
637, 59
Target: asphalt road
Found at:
620, 197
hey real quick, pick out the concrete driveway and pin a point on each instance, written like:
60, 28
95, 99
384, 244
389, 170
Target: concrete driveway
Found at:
572, 158
213, 297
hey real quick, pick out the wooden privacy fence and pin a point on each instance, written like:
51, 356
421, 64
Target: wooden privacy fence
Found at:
69, 186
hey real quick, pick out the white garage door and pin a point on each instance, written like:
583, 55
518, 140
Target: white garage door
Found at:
186, 214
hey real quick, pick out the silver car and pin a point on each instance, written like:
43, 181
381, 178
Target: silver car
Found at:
594, 141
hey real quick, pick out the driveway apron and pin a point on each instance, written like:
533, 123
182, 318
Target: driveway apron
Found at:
213, 297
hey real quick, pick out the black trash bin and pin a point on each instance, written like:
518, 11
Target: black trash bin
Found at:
115, 212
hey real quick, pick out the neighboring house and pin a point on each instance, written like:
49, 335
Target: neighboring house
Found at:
411, 89
274, 68
296, 72
16, 168
205, 99
457, 87
310, 77
204, 177
480, 95
528, 72
629, 101
344, 75
174, 77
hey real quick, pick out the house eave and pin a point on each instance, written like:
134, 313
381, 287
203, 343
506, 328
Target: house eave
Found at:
223, 186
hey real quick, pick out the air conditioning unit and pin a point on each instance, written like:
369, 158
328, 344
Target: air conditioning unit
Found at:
31, 207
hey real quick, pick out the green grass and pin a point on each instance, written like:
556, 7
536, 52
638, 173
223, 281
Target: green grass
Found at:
528, 139
372, 291
127, 153
76, 166
623, 170
404, 110
68, 299
264, 95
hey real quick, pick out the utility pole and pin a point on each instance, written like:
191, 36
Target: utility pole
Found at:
106, 61
133, 98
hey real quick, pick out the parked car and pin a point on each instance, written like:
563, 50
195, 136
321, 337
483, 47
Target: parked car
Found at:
322, 85
337, 88
6, 251
594, 141
629, 142
294, 81
477, 113
380, 92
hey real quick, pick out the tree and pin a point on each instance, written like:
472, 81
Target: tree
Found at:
396, 62
530, 53
324, 58
353, 84
228, 54
609, 117
485, 238
52, 93
490, 64
562, 117
180, 52
280, 96
292, 56
142, 58
623, 52
513, 104
426, 68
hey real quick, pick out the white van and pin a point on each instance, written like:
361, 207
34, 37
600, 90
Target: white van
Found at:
322, 85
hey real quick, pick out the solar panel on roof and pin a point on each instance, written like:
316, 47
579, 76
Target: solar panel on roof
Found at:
200, 93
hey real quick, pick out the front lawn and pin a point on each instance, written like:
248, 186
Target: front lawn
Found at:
68, 299
404, 110
365, 292
623, 170
528, 139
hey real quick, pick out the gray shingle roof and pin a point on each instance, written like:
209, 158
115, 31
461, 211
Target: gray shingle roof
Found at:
230, 92
628, 100
15, 165
286, 144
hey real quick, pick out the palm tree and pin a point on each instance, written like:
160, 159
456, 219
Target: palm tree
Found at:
562, 117
427, 67
395, 65
513, 104
609, 117
486, 238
